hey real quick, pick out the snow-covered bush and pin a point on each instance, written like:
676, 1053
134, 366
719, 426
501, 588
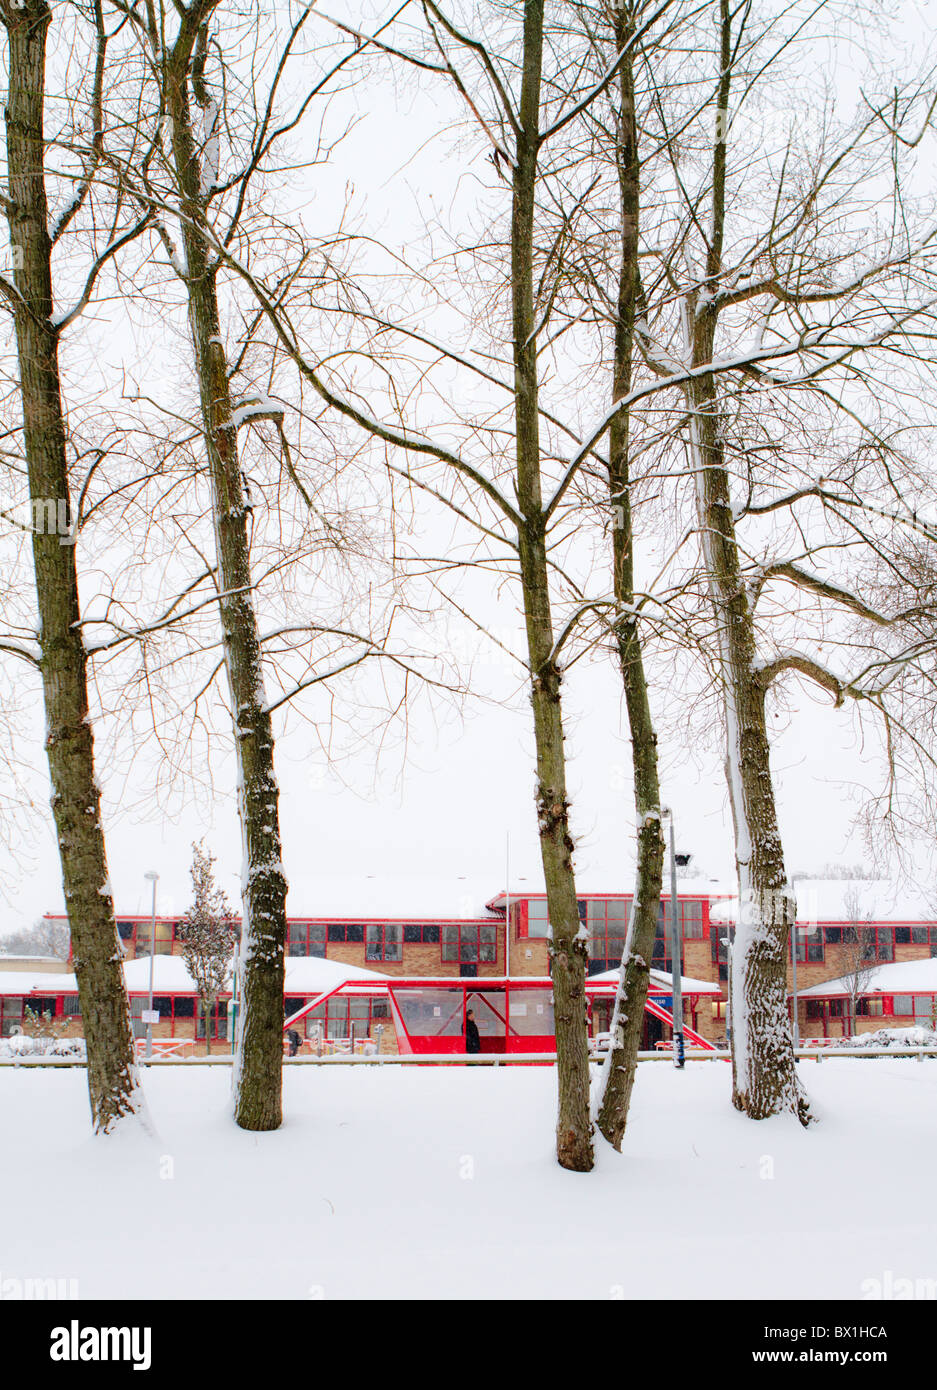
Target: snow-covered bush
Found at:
22, 1045
891, 1037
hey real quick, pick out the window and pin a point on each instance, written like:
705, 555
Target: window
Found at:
41, 1006
692, 920
183, 1007
719, 938
606, 921
878, 943
902, 936
307, 939
870, 1008
11, 1015
924, 1009
136, 937
219, 1021
904, 1005
70, 1006
531, 1012
538, 923
431, 1012
342, 1016
470, 943
809, 944
165, 931
837, 1008
418, 933
833, 935
292, 1004
351, 932
384, 942
691, 929
814, 1008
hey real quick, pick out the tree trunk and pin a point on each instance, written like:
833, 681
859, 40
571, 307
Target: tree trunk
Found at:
618, 1074
568, 949
764, 1074
112, 1073
259, 1057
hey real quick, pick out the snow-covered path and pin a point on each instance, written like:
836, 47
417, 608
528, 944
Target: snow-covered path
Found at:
432, 1182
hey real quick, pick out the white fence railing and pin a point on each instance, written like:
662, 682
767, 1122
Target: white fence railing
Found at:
484, 1059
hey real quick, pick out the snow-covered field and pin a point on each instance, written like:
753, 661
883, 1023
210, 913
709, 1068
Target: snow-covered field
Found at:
436, 1182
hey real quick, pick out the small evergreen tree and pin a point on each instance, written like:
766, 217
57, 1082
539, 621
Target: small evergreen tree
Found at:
207, 933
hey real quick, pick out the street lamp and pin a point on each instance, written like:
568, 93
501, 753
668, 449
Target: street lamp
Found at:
676, 947
153, 877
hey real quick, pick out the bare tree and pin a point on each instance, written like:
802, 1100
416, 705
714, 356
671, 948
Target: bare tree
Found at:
214, 114
627, 1023
858, 955
861, 308
44, 938
58, 651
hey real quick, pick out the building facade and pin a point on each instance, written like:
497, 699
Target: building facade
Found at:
840, 927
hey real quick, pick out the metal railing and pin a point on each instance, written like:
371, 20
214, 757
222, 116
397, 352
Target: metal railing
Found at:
484, 1059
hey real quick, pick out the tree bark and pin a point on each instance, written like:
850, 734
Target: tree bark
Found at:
259, 1056
628, 1014
76, 801
568, 949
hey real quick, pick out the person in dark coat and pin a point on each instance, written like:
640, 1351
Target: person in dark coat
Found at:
295, 1041
473, 1042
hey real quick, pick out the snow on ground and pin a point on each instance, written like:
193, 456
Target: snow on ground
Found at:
440, 1182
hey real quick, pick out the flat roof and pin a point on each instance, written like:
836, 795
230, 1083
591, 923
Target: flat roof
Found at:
901, 977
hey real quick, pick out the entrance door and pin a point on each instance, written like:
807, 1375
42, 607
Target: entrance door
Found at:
653, 1032
488, 1006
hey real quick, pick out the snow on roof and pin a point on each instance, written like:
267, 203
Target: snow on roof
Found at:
827, 900
663, 979
35, 982
311, 975
304, 975
400, 898
47, 960
904, 977
617, 885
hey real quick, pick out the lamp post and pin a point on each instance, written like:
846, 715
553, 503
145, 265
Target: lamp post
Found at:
676, 947
153, 877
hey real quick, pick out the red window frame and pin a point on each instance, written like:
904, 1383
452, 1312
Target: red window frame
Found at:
462, 958
139, 935
381, 943
305, 923
817, 935
310, 1021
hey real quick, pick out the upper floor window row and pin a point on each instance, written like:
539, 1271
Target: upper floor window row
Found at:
606, 920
